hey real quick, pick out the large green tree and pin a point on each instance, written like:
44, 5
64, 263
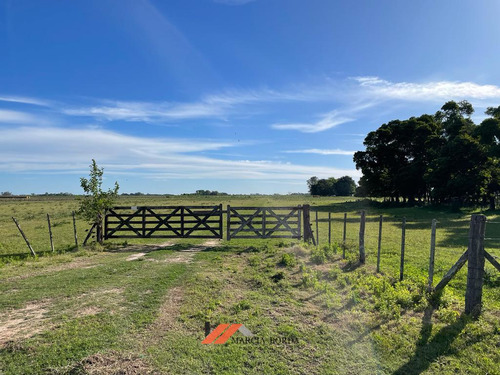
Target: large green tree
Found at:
456, 172
489, 135
396, 157
344, 186
441, 157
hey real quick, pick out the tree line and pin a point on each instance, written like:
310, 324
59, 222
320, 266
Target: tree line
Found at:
344, 186
437, 158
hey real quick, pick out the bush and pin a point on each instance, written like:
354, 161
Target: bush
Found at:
318, 256
288, 260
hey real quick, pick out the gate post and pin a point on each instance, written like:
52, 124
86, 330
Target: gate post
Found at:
475, 271
308, 236
228, 226
220, 221
99, 232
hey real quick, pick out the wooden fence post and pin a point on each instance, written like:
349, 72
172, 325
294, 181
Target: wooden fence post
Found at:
221, 223
344, 235
475, 271
433, 251
317, 230
207, 328
306, 214
379, 241
99, 232
74, 230
329, 228
24, 236
50, 233
228, 223
402, 264
362, 222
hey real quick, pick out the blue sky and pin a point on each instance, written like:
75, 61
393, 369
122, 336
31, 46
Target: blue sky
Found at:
231, 95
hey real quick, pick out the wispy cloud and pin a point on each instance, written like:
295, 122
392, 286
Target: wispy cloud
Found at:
170, 46
328, 121
15, 117
24, 100
435, 90
318, 151
370, 91
210, 106
351, 97
148, 111
53, 150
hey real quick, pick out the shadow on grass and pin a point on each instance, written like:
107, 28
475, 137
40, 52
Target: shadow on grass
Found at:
351, 266
148, 248
360, 204
226, 249
8, 258
428, 350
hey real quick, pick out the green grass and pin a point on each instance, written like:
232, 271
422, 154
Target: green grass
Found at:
339, 317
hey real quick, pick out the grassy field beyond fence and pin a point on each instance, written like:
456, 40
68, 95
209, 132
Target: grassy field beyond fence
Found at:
451, 235
144, 308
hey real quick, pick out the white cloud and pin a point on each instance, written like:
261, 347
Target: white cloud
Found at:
328, 121
15, 117
318, 151
147, 111
352, 97
210, 106
24, 100
436, 90
58, 150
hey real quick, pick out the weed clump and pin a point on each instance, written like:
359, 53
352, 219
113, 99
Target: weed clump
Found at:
288, 260
320, 255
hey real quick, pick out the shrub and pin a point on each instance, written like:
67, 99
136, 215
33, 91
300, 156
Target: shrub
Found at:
254, 261
288, 260
318, 256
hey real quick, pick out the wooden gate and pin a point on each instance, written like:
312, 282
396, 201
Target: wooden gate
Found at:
163, 222
263, 222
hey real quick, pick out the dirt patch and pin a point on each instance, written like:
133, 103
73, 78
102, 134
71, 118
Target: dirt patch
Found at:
34, 317
169, 311
81, 262
186, 256
145, 248
113, 363
183, 256
166, 321
135, 256
23, 323
88, 310
211, 243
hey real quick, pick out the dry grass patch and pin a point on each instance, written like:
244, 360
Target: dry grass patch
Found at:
74, 263
24, 323
113, 363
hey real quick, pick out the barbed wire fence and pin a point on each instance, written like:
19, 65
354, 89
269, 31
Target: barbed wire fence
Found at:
398, 246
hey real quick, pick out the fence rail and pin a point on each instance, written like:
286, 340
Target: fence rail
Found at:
163, 222
264, 222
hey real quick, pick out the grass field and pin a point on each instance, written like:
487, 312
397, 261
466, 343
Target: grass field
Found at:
94, 311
